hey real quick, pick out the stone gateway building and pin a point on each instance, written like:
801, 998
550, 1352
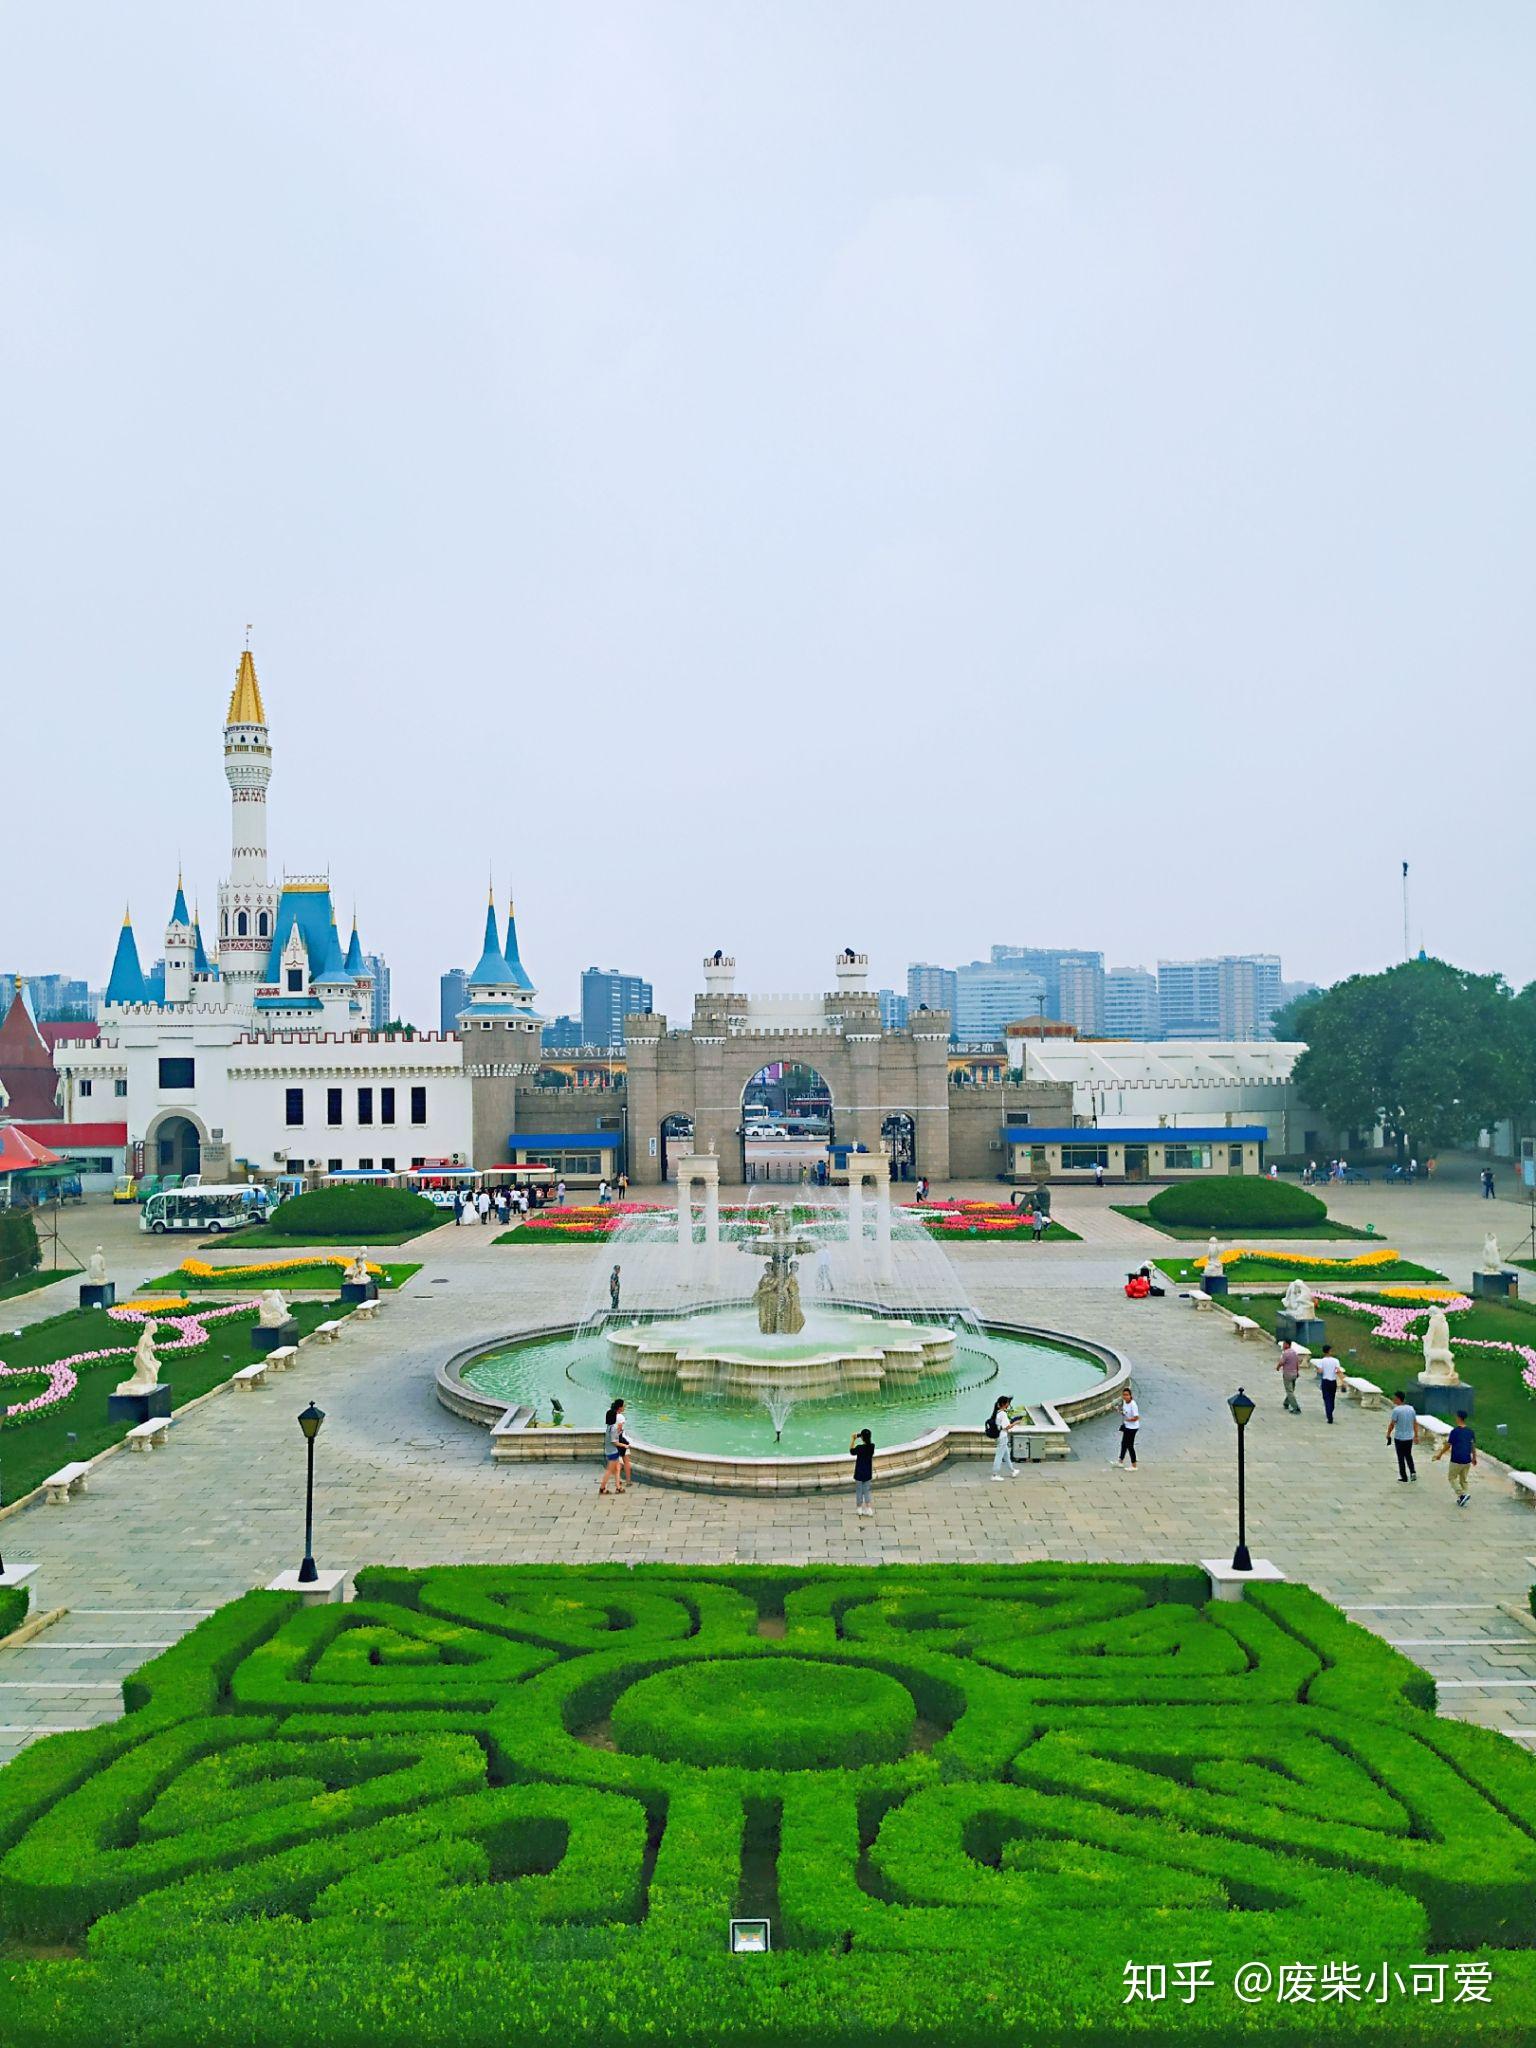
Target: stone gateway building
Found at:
686, 1088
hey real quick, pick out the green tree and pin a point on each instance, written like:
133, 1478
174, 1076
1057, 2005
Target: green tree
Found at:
1428, 1052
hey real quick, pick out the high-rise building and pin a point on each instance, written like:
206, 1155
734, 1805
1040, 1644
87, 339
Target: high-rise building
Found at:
894, 1009
52, 996
1130, 1003
379, 1011
988, 998
930, 988
452, 998
1234, 996
563, 1034
607, 998
1078, 968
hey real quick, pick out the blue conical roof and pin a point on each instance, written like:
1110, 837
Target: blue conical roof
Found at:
356, 964
199, 950
332, 967
515, 967
179, 913
125, 984
491, 971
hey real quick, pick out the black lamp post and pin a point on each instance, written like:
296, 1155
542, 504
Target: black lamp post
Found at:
1241, 1408
310, 1422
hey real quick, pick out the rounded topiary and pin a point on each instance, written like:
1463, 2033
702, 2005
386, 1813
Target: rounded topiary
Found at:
326, 1213
1237, 1202
766, 1713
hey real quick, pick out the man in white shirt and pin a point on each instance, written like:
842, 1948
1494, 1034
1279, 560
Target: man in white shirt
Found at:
1328, 1379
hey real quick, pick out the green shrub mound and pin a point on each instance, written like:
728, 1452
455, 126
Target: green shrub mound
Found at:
493, 1804
327, 1214
1237, 1202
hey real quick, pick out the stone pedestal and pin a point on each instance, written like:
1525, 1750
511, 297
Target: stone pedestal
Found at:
134, 1408
1437, 1397
1485, 1286
24, 1575
1213, 1283
103, 1296
1227, 1584
286, 1332
1306, 1330
325, 1590
354, 1291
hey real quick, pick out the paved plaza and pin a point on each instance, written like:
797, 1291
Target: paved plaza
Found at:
161, 1540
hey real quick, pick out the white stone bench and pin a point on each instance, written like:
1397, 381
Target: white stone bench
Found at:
1524, 1484
280, 1359
1366, 1392
250, 1376
327, 1332
1431, 1430
145, 1436
67, 1480
365, 1311
1199, 1298
1245, 1326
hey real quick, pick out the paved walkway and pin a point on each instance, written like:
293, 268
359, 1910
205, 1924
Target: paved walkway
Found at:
161, 1539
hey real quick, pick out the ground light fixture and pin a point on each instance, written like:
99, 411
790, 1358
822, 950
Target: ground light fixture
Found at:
310, 1422
750, 1938
1242, 1409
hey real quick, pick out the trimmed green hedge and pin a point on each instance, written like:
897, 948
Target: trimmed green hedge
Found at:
20, 1252
327, 1214
496, 1803
13, 1608
1236, 1202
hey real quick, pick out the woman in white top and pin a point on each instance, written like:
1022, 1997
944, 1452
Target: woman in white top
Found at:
1130, 1423
1002, 1422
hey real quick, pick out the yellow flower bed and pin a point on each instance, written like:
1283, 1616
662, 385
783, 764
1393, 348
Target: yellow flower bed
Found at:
199, 1269
1421, 1293
158, 1304
1385, 1257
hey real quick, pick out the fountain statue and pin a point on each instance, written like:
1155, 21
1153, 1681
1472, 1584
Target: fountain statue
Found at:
777, 1294
146, 1367
1298, 1301
1439, 1365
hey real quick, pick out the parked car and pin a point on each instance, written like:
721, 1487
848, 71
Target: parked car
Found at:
125, 1188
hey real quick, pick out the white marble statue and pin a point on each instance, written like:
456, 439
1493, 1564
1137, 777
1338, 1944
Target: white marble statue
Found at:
146, 1367
356, 1274
1492, 1263
1299, 1302
1438, 1362
1213, 1266
96, 1268
274, 1310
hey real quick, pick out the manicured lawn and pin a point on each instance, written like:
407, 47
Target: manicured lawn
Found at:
1302, 1232
1265, 1271
268, 1239
240, 1278
28, 1283
516, 1806
32, 1448
1502, 1396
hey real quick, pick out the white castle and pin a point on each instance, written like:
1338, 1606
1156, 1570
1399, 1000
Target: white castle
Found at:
258, 1048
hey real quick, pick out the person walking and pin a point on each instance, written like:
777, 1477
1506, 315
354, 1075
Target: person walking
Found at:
999, 1422
613, 1290
560, 1193
1038, 1223
483, 1205
861, 1448
1487, 1183
1328, 1379
1288, 1365
1461, 1447
1098, 1174
613, 1449
623, 1187
1401, 1425
1130, 1427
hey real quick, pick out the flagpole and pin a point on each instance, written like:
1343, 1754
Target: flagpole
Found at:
1407, 947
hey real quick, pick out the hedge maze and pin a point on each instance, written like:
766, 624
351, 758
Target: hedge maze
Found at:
522, 1804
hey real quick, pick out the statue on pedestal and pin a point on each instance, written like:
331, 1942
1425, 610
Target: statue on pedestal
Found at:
1492, 1263
146, 1367
1213, 1265
1439, 1365
274, 1310
357, 1274
1299, 1302
96, 1269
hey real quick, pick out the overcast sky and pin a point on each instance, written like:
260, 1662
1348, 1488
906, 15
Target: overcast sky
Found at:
776, 477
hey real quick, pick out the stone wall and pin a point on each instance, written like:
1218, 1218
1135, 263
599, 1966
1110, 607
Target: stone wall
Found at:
978, 1114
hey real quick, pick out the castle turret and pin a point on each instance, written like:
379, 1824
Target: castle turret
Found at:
125, 984
180, 950
247, 901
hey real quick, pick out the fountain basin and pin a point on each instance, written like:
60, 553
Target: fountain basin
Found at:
836, 1353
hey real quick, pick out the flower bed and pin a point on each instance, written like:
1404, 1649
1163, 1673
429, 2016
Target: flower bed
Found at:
314, 1270
982, 1219
586, 1224
490, 1805
1394, 1325
63, 1374
1261, 1265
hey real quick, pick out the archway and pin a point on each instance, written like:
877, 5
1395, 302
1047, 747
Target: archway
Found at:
787, 1125
175, 1146
899, 1130
676, 1136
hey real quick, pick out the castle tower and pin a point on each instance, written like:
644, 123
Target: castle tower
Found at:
247, 900
180, 950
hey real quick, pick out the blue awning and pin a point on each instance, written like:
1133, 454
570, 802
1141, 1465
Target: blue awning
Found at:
1162, 1134
565, 1141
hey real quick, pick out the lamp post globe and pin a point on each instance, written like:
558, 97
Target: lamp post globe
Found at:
1242, 1410
309, 1423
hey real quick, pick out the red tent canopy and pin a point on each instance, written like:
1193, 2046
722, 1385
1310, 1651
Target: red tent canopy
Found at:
17, 1150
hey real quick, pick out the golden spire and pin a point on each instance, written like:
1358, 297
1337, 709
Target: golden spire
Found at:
127, 915
245, 705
